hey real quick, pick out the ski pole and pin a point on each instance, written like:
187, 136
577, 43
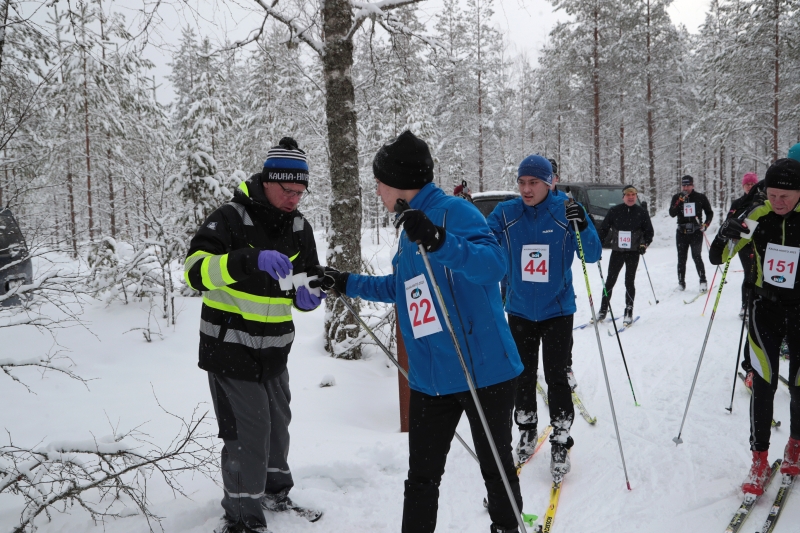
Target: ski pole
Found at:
399, 207
599, 345
738, 356
650, 280
709, 292
393, 360
621, 351
677, 440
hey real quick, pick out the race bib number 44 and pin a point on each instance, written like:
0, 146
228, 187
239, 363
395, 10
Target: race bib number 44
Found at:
689, 210
421, 312
780, 265
536, 263
625, 239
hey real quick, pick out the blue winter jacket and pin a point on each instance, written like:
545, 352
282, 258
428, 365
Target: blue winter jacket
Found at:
468, 268
516, 224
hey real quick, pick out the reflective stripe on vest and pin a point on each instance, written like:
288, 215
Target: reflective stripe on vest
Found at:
255, 308
242, 337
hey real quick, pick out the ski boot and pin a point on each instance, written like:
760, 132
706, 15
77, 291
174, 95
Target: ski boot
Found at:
758, 475
573, 383
703, 286
791, 458
628, 320
527, 444
681, 285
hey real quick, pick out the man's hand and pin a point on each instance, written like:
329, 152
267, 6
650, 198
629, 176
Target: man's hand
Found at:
329, 279
307, 301
274, 263
731, 229
642, 248
704, 226
575, 213
420, 229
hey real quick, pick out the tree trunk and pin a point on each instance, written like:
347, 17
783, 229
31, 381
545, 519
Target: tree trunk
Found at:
596, 86
4, 4
775, 86
88, 156
72, 226
622, 141
344, 247
651, 159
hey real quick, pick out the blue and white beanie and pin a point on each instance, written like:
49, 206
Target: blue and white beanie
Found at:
286, 163
536, 166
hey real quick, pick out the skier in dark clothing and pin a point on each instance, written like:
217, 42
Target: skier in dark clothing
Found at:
690, 206
774, 311
242, 259
746, 254
628, 232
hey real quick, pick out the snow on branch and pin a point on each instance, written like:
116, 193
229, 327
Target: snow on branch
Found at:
108, 477
298, 31
57, 288
375, 10
50, 362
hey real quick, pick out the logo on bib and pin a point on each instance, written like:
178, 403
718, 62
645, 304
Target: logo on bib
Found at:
778, 279
537, 254
416, 293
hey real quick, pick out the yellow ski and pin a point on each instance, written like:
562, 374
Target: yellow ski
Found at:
550, 515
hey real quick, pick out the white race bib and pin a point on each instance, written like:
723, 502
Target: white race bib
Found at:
780, 265
536, 263
624, 239
689, 210
421, 312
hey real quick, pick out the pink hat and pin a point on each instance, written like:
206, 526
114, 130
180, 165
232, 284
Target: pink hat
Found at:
749, 178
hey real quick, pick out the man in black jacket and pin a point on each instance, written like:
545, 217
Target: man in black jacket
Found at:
628, 232
746, 254
773, 313
690, 206
242, 260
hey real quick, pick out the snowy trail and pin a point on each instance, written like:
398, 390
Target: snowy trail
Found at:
350, 460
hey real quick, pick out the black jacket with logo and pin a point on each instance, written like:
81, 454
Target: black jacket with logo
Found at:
624, 218
702, 207
246, 328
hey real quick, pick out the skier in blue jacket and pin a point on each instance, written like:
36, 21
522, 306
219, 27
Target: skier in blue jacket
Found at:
537, 234
468, 264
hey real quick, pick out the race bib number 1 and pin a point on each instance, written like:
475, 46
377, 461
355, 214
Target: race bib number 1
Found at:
625, 239
536, 263
689, 210
421, 312
780, 265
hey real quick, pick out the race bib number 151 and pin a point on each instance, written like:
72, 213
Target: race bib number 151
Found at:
421, 312
536, 263
780, 265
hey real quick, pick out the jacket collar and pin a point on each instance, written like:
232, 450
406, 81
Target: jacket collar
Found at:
251, 194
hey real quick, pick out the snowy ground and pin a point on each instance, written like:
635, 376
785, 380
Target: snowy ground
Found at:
349, 458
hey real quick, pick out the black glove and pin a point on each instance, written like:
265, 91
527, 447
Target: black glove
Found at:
731, 229
420, 229
642, 248
575, 213
328, 278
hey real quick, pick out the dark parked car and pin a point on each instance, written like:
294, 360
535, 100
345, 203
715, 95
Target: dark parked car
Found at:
486, 201
15, 263
597, 198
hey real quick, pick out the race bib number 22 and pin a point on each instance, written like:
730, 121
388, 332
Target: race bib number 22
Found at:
419, 304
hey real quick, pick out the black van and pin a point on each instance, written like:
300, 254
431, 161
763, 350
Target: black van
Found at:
15, 262
597, 198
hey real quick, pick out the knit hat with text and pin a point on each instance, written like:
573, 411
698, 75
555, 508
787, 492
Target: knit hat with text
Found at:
286, 163
783, 174
404, 162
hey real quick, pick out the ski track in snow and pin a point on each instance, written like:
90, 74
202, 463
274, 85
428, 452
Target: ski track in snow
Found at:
349, 458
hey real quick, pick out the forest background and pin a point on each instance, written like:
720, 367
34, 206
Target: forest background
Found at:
94, 166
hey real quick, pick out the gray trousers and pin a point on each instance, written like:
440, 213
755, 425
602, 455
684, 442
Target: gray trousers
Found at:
253, 422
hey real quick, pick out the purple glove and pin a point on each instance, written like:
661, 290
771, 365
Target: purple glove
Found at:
307, 301
274, 263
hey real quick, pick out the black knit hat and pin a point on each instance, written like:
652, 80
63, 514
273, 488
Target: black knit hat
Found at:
687, 180
783, 174
404, 163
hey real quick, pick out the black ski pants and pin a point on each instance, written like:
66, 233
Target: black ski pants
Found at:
432, 425
770, 322
631, 262
555, 335
695, 242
